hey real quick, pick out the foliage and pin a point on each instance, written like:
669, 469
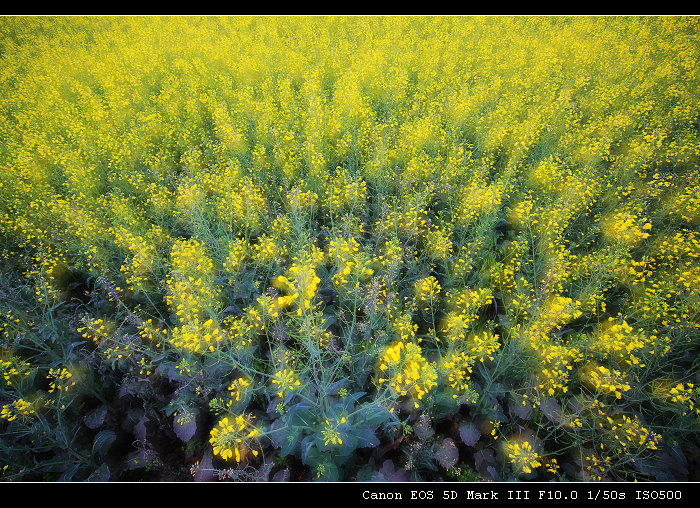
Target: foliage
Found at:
352, 248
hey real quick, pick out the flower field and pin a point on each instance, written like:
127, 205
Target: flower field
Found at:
350, 248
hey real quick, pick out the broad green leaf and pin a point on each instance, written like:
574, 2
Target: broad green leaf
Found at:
102, 442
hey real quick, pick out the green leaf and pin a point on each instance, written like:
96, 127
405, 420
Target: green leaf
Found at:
335, 387
290, 443
374, 416
102, 442
366, 437
300, 415
285, 437
328, 320
328, 472
67, 476
343, 452
348, 402
309, 452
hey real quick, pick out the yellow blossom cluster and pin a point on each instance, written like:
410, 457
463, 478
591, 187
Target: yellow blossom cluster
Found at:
97, 329
464, 306
522, 456
19, 408
604, 380
676, 395
148, 330
391, 256
272, 246
330, 432
478, 199
597, 467
238, 388
285, 381
506, 274
241, 204
236, 255
408, 373
300, 285
234, 438
438, 244
630, 433
426, 292
350, 262
344, 191
483, 345
509, 193
618, 341
409, 220
457, 367
13, 369
626, 227
143, 251
686, 203
48, 274
193, 297
403, 327
61, 379
302, 200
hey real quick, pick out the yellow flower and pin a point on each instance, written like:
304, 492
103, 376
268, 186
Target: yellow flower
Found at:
522, 456
286, 380
233, 438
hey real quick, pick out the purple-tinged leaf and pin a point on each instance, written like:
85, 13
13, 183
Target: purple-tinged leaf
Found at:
446, 453
485, 463
96, 417
137, 460
392, 474
551, 409
676, 463
283, 475
140, 429
101, 474
469, 433
185, 424
423, 428
204, 472
520, 408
